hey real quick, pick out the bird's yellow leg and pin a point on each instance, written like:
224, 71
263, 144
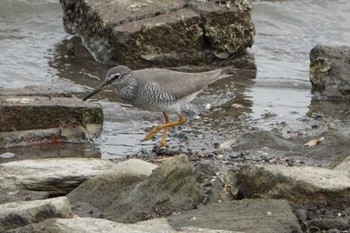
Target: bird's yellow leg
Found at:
166, 125
165, 131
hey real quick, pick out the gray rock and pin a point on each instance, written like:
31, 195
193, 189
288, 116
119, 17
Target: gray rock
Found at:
170, 188
93, 225
37, 119
333, 230
13, 195
297, 184
85, 210
15, 214
301, 214
136, 166
257, 215
330, 71
344, 166
55, 176
204, 170
223, 187
325, 224
101, 190
132, 33
45, 91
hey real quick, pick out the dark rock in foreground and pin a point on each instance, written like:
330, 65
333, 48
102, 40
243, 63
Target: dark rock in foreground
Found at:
93, 225
95, 195
259, 215
135, 190
41, 115
162, 33
330, 71
170, 189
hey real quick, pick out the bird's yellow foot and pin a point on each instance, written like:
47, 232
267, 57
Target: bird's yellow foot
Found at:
165, 127
163, 140
153, 132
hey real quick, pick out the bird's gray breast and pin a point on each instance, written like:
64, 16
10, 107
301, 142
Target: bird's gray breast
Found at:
146, 95
126, 89
151, 97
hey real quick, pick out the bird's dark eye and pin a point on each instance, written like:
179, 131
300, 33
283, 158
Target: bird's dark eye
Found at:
113, 77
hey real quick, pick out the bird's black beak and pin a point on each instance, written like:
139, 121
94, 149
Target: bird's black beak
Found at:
101, 87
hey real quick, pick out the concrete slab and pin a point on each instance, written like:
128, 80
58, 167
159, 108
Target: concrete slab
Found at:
41, 115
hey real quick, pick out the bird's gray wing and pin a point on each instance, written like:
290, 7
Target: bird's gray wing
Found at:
178, 84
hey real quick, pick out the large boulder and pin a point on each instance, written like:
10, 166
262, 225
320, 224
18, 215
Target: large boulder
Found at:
300, 185
163, 33
95, 195
53, 176
330, 71
171, 188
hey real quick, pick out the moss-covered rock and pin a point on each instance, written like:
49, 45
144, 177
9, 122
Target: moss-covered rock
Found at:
170, 189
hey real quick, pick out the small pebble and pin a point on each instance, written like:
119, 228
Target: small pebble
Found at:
234, 156
7, 155
275, 130
333, 230
216, 145
264, 158
283, 123
301, 214
331, 125
162, 151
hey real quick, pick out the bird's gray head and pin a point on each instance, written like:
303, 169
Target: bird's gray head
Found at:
113, 75
116, 72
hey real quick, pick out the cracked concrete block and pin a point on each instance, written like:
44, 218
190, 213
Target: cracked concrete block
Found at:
168, 33
44, 115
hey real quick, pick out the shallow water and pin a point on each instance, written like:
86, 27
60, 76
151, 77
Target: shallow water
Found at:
32, 42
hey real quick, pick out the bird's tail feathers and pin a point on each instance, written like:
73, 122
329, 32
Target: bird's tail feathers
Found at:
233, 70
230, 70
